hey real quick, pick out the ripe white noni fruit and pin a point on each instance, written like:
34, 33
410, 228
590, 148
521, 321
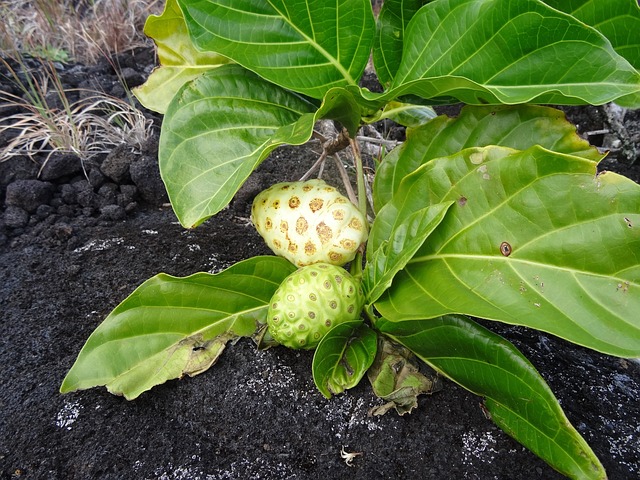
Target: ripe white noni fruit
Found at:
310, 302
309, 222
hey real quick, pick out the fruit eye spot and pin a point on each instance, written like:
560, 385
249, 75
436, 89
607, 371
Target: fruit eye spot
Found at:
338, 278
310, 249
276, 204
307, 188
293, 248
294, 202
338, 214
301, 225
291, 298
316, 204
348, 244
312, 315
312, 297
284, 226
333, 305
276, 319
268, 224
324, 232
351, 308
301, 326
327, 284
292, 314
335, 257
328, 323
505, 249
351, 290
277, 243
355, 224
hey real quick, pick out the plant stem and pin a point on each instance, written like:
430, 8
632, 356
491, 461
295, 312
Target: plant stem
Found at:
362, 190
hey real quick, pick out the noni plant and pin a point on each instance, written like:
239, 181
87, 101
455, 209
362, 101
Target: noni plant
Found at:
499, 213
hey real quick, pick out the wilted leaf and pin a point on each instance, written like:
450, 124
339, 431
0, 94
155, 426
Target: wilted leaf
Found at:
170, 327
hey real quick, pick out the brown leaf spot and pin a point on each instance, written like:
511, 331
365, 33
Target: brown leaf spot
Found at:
462, 201
505, 249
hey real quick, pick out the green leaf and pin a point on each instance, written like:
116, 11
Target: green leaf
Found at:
395, 377
170, 327
180, 61
518, 127
516, 396
305, 46
392, 22
343, 356
618, 20
217, 130
535, 238
394, 238
408, 114
500, 51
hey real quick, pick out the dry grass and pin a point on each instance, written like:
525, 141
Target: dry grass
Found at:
78, 30
49, 122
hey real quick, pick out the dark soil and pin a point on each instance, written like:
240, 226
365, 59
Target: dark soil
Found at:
72, 248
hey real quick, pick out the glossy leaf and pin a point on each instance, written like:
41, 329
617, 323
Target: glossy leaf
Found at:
535, 238
516, 396
618, 20
408, 114
393, 19
170, 327
500, 51
217, 130
179, 60
393, 243
343, 356
518, 127
302, 45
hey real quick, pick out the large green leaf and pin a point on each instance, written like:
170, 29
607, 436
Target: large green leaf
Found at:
306, 46
393, 19
217, 130
535, 238
500, 51
343, 356
394, 239
170, 327
518, 127
516, 396
618, 20
179, 60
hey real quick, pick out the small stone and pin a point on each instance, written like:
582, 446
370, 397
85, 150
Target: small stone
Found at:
59, 166
15, 217
145, 173
116, 165
29, 194
113, 212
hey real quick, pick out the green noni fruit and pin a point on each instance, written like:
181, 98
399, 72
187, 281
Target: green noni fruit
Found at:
311, 301
309, 222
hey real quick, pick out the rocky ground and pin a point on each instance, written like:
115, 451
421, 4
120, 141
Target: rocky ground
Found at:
75, 241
